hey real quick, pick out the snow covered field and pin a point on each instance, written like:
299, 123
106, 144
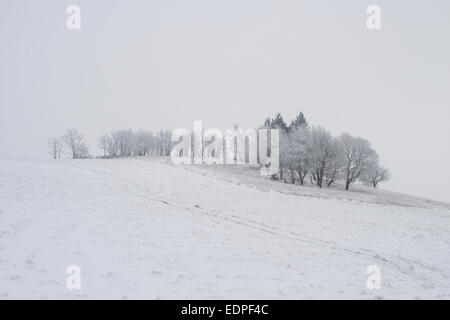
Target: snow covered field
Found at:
141, 228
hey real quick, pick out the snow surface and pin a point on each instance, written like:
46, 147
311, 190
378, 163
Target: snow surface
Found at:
145, 229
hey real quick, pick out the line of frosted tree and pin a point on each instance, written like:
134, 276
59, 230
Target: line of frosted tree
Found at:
307, 154
312, 153
116, 144
126, 143
72, 141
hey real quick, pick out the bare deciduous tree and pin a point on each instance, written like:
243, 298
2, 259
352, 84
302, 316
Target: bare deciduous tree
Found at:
358, 155
103, 142
325, 154
126, 143
376, 174
74, 141
295, 153
334, 170
55, 146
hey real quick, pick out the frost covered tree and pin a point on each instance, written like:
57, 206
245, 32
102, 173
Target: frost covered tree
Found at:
334, 169
376, 174
358, 156
295, 153
112, 145
74, 141
125, 140
150, 143
326, 159
325, 154
83, 151
126, 143
55, 146
286, 156
103, 142
163, 143
144, 144
140, 146
285, 144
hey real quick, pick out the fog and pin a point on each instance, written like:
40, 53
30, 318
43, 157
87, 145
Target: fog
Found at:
164, 64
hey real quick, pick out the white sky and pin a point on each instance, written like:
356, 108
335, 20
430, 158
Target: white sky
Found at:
164, 64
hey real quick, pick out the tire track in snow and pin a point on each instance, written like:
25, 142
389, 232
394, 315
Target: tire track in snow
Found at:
396, 262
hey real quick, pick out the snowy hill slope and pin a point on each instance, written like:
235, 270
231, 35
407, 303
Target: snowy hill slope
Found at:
250, 176
147, 229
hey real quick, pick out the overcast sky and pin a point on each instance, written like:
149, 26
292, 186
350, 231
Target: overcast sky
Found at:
164, 64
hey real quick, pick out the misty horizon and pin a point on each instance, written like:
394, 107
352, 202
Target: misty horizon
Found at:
153, 65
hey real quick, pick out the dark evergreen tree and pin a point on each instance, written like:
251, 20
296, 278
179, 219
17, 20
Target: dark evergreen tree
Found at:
279, 123
300, 121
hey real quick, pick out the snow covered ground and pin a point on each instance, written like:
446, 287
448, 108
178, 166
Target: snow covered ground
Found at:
145, 229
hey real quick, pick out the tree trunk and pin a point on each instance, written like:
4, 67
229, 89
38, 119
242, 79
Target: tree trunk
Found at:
301, 177
347, 185
320, 178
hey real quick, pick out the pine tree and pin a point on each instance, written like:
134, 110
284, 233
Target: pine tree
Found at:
279, 123
300, 121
